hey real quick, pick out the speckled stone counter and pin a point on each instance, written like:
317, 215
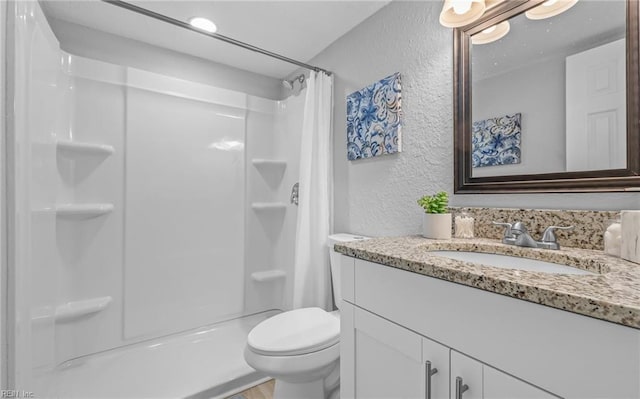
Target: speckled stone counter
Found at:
588, 232
613, 294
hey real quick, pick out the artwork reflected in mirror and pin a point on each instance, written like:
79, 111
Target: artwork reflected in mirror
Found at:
550, 95
496, 141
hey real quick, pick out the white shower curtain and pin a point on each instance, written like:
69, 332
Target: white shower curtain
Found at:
312, 279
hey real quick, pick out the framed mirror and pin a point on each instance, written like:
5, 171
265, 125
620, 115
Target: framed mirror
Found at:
552, 105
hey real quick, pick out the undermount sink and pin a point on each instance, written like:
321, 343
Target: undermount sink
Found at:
512, 262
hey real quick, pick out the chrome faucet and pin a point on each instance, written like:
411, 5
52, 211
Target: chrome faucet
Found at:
518, 235
523, 238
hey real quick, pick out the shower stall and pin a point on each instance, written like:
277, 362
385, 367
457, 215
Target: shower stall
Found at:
150, 224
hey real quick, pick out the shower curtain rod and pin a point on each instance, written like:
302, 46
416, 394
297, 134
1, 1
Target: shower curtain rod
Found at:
185, 25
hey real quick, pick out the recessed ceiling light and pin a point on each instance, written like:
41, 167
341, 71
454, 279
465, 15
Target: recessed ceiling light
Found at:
203, 24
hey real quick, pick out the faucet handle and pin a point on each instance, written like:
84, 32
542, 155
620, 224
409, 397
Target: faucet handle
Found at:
507, 236
549, 234
507, 226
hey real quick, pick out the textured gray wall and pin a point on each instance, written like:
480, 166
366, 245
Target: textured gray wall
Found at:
378, 196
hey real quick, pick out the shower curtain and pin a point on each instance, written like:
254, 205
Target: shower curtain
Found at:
312, 279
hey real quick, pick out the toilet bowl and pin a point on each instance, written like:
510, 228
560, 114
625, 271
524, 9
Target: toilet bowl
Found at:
301, 348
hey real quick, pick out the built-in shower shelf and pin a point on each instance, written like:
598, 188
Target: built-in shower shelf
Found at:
269, 275
82, 211
75, 149
269, 206
269, 163
75, 310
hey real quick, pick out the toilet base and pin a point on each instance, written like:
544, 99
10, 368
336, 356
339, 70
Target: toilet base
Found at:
302, 390
328, 388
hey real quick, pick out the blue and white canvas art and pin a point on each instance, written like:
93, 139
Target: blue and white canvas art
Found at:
496, 141
374, 117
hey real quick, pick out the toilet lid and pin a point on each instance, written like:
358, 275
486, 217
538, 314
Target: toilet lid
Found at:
295, 332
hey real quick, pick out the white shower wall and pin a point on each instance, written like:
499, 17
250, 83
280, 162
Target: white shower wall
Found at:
184, 227
135, 199
32, 176
273, 154
287, 135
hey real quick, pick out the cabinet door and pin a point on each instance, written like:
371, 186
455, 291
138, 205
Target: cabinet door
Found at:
388, 359
347, 351
436, 357
498, 385
469, 371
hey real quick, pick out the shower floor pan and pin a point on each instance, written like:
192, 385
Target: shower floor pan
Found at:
203, 363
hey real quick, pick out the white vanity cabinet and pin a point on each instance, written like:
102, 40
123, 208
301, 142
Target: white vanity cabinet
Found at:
392, 362
393, 322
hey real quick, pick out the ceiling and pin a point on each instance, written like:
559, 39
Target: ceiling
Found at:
296, 29
585, 25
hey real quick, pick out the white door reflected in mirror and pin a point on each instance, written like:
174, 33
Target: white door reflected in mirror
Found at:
596, 108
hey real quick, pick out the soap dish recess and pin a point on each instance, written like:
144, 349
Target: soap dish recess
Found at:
82, 211
269, 163
74, 149
268, 275
268, 206
72, 311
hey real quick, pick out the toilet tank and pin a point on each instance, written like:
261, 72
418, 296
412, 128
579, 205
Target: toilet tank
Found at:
334, 259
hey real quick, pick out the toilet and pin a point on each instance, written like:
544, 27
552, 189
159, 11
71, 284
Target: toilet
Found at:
300, 348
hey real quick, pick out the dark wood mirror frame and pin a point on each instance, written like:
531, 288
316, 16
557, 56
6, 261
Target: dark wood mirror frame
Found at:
627, 179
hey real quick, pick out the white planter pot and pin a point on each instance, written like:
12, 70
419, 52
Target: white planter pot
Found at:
436, 226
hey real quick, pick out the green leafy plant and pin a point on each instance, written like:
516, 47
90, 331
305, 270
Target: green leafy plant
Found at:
435, 203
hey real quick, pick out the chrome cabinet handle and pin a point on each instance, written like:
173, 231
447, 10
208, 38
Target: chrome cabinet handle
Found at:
429, 372
461, 387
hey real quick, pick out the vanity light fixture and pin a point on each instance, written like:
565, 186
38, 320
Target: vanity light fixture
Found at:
457, 13
550, 8
491, 34
203, 24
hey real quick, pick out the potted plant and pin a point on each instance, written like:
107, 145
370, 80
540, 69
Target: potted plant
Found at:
436, 222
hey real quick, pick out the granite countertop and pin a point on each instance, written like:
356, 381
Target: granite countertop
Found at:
612, 294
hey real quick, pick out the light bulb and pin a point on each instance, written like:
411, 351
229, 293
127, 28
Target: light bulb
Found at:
203, 24
457, 13
461, 6
491, 34
550, 8
490, 29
